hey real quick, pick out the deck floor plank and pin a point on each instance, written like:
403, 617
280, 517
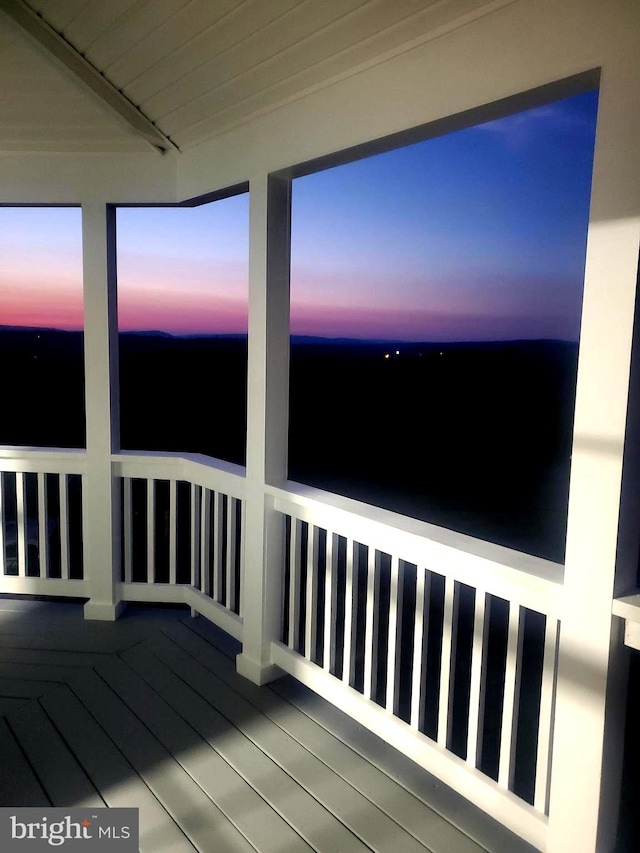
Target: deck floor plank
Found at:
426, 825
296, 805
370, 824
37, 672
200, 819
148, 712
47, 657
231, 793
9, 704
59, 773
19, 785
63, 628
52, 641
24, 688
113, 776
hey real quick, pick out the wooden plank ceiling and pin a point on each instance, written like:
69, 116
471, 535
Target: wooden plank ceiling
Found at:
194, 68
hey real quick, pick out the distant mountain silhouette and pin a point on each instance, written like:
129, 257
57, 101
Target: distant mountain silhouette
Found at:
394, 342
38, 330
325, 341
144, 333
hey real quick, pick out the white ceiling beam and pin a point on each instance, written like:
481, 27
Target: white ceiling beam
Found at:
66, 55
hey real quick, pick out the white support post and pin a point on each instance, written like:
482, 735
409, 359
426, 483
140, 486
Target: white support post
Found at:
267, 419
586, 755
101, 498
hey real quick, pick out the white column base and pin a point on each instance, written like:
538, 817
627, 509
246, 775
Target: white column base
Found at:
257, 673
102, 611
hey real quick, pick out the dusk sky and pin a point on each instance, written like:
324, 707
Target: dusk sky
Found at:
477, 235
184, 270
41, 267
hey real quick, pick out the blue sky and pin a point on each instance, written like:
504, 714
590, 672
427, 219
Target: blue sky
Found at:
184, 270
479, 234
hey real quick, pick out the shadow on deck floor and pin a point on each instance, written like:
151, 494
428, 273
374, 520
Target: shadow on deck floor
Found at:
148, 712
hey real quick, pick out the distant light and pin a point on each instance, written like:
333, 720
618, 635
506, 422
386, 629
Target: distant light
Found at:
397, 352
386, 355
441, 353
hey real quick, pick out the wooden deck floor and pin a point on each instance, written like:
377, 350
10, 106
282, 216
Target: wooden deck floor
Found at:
148, 712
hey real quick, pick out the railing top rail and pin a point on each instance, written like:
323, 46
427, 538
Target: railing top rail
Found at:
215, 474
54, 460
627, 607
13, 451
180, 456
531, 581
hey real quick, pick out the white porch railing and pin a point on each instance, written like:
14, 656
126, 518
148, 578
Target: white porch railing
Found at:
444, 646
41, 529
449, 655
182, 533
41, 522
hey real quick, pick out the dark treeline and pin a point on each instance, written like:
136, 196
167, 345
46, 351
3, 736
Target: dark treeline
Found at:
473, 436
184, 393
42, 387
